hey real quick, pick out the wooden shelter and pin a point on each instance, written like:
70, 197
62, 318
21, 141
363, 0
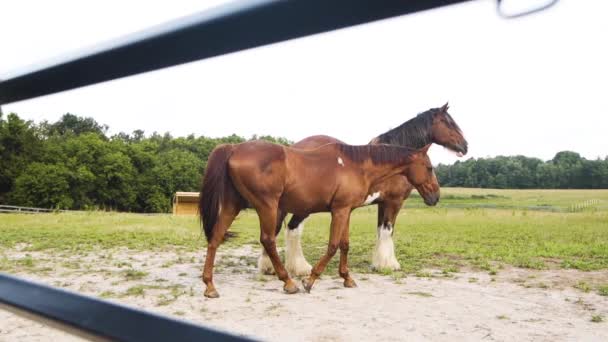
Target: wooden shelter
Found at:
185, 203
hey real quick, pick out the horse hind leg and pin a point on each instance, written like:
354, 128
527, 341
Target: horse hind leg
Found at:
295, 262
227, 214
268, 221
264, 264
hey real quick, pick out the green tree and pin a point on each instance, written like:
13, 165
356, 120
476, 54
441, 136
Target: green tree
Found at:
43, 185
76, 125
19, 146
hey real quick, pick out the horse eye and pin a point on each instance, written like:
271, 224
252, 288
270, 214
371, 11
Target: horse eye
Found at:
430, 169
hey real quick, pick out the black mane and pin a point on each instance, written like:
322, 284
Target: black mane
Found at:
416, 132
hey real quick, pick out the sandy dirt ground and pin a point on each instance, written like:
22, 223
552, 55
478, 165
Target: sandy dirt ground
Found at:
513, 305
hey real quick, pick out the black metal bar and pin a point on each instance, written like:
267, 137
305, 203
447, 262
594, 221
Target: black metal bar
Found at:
502, 13
237, 26
97, 319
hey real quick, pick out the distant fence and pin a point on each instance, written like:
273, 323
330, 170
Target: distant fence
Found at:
592, 203
27, 210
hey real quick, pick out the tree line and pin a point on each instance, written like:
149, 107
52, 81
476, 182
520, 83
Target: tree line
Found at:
75, 164
567, 170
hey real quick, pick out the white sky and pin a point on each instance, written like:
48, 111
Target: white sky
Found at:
531, 86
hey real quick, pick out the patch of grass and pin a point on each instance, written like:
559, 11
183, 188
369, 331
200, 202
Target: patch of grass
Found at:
398, 276
597, 318
385, 271
502, 317
273, 307
583, 286
135, 291
165, 300
121, 264
134, 274
175, 292
603, 290
71, 264
423, 274
107, 294
28, 261
450, 269
261, 278
420, 294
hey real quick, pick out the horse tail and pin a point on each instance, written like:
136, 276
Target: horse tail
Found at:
213, 189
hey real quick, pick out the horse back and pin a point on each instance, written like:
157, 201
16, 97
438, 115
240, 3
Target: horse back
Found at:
316, 141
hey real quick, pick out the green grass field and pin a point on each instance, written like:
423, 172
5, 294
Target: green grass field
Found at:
473, 228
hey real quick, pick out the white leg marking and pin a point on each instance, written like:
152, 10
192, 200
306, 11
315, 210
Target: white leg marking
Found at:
371, 198
384, 253
264, 263
295, 263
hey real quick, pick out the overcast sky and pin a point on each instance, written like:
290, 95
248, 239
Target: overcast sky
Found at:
531, 86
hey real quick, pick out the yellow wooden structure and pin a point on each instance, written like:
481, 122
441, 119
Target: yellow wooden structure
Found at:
185, 203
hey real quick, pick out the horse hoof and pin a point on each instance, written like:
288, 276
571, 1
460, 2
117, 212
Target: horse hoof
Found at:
350, 283
211, 293
307, 284
291, 288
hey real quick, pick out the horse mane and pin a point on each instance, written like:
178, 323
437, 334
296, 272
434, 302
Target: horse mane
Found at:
378, 154
416, 132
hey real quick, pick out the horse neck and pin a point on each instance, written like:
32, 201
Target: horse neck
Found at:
377, 173
378, 162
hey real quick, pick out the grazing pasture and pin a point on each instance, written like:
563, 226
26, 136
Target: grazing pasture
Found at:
522, 249
477, 228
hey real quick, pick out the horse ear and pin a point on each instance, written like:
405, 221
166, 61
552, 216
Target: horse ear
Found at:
445, 107
425, 149
422, 151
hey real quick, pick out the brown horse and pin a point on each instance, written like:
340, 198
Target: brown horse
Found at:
275, 179
433, 126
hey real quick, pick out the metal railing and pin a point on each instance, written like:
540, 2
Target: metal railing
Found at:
96, 319
233, 27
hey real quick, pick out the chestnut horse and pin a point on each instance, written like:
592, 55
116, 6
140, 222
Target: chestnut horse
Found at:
433, 126
275, 179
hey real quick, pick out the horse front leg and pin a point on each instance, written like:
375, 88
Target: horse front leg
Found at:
344, 246
384, 251
339, 219
295, 262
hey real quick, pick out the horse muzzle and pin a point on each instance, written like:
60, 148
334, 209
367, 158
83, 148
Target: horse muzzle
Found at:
431, 199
